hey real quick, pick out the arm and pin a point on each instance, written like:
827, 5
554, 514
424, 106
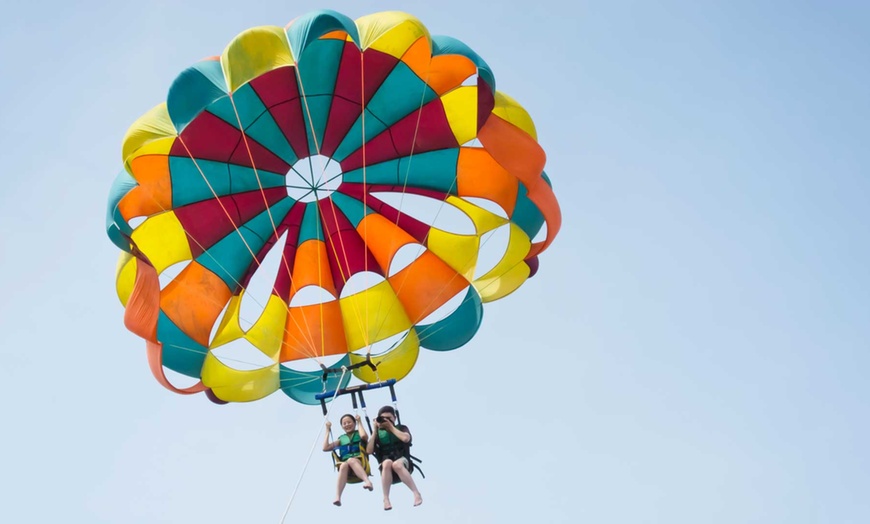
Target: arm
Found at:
370, 447
327, 445
404, 436
363, 436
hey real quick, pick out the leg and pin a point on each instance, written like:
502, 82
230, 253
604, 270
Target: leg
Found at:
360, 472
405, 476
386, 482
342, 481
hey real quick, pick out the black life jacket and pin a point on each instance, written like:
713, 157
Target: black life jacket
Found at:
390, 447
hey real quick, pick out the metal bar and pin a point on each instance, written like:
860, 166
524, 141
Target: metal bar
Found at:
360, 387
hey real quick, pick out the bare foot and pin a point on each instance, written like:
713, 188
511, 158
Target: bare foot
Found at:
417, 500
337, 503
387, 505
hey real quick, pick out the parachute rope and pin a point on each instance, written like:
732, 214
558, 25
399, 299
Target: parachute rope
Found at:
271, 220
419, 251
309, 342
429, 331
401, 203
322, 218
313, 446
362, 87
310, 338
238, 231
298, 73
413, 145
209, 298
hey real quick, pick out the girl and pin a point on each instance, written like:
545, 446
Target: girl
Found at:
350, 449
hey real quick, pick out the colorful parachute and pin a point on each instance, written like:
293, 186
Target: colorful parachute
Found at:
220, 176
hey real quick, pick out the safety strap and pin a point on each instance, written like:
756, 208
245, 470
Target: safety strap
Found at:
416, 467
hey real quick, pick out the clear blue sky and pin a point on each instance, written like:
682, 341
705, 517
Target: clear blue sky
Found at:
693, 349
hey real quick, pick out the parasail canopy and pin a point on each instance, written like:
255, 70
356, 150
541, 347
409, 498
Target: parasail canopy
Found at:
371, 160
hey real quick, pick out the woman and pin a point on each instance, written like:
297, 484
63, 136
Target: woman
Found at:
350, 449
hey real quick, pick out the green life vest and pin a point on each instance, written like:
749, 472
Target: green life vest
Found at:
348, 446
